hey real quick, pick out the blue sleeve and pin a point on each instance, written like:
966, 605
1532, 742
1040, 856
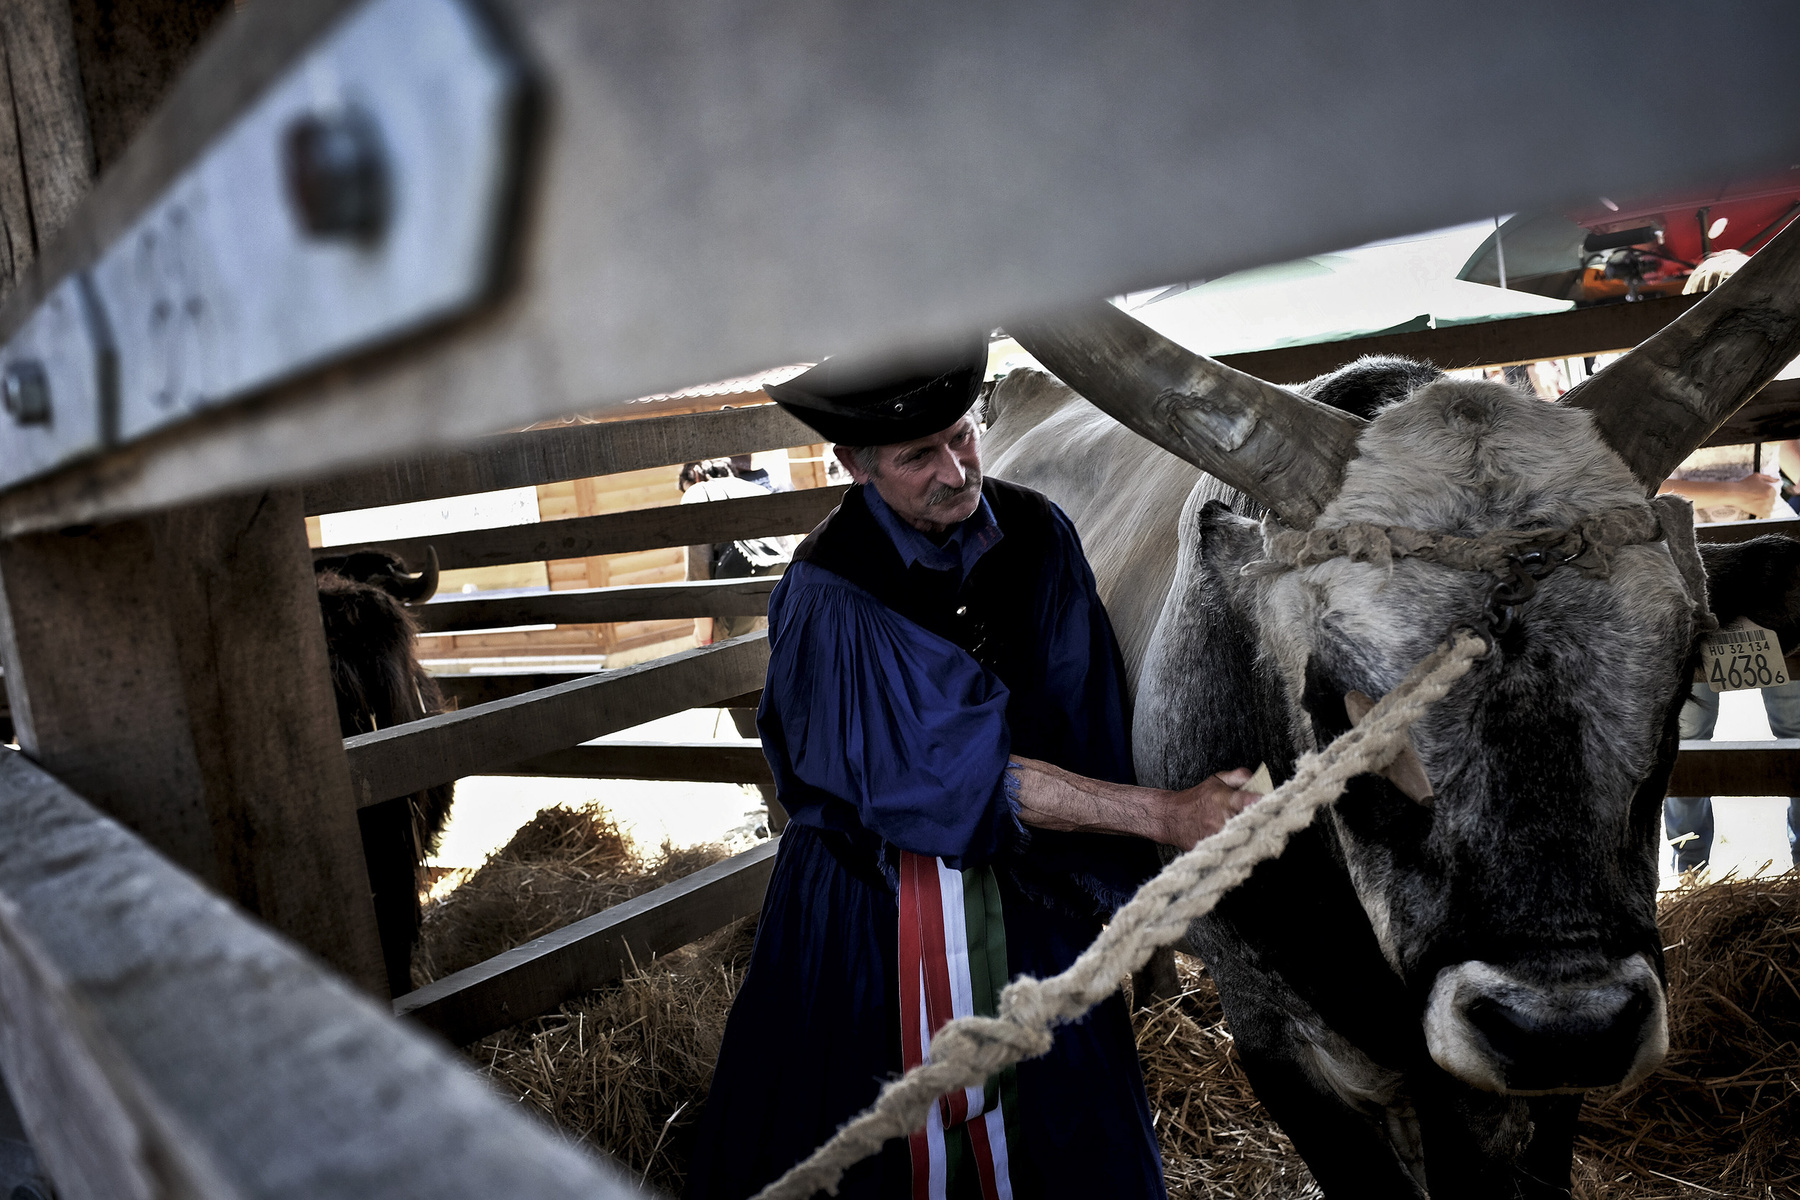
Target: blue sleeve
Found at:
867, 708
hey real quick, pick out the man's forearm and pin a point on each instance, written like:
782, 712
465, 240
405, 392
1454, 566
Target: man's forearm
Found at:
1052, 798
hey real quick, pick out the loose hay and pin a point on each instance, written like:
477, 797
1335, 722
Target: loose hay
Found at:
1216, 1139
627, 1068
1721, 1117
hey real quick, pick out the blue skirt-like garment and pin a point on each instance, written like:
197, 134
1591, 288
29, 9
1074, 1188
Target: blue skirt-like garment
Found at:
815, 1033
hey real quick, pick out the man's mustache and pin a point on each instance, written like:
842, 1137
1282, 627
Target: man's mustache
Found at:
943, 494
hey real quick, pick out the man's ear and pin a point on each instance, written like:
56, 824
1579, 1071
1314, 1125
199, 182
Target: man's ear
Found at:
846, 456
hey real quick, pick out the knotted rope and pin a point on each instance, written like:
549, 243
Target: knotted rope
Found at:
1587, 545
966, 1051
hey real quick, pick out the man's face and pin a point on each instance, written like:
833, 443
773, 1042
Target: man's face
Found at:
932, 483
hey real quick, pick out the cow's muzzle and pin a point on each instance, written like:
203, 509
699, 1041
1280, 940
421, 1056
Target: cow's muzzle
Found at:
1498, 1032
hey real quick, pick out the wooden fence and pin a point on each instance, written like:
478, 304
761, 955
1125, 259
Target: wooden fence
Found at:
619, 204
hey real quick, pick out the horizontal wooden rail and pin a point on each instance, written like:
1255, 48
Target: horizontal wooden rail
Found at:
468, 690
1573, 334
1772, 415
1769, 768
616, 533
684, 762
160, 1043
537, 456
580, 606
536, 977
472, 741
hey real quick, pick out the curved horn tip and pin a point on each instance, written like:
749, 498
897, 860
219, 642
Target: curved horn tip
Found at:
417, 589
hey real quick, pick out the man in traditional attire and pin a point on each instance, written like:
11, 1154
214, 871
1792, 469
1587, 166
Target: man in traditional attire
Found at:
946, 718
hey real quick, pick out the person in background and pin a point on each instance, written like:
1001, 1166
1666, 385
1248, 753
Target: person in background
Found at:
1724, 485
715, 480
742, 468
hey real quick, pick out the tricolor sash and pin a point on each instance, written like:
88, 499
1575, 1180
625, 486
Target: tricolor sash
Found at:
953, 964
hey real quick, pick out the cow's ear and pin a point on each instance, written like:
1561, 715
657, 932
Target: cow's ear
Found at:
1759, 579
1228, 541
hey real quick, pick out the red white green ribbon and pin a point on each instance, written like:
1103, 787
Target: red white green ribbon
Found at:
953, 964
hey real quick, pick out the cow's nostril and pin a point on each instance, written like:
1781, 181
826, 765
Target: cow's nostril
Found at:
1570, 1038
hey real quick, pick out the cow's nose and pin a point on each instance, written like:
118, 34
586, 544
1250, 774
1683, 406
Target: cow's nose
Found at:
1496, 1030
1569, 1037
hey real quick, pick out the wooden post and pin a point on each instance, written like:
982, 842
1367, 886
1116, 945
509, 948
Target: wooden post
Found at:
51, 161
139, 660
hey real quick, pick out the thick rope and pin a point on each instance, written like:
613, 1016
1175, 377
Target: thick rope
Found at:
968, 1050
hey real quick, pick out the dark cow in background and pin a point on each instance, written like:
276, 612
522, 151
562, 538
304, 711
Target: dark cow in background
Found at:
1425, 981
375, 673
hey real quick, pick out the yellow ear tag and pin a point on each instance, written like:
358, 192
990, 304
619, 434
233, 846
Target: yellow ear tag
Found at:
1742, 655
1260, 783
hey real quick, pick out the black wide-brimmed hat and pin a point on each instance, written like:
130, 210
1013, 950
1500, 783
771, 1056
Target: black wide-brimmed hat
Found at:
892, 398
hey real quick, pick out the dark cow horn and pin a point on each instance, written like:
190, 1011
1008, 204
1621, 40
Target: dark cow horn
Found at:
1278, 447
416, 589
1658, 403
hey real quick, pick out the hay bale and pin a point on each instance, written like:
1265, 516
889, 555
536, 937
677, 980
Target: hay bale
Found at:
562, 865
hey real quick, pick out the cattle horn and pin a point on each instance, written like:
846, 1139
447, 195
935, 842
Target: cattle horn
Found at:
1658, 403
1276, 446
416, 589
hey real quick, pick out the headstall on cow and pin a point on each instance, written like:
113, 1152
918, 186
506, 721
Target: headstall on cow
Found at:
1518, 559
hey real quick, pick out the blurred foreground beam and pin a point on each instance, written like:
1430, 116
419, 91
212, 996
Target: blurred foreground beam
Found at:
651, 252
160, 1043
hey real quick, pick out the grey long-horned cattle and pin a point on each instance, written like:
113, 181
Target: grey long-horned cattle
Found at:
1423, 984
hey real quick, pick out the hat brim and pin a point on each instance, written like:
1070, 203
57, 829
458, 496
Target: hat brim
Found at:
881, 402
860, 431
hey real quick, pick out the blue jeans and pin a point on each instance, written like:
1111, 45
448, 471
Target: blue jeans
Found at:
1688, 820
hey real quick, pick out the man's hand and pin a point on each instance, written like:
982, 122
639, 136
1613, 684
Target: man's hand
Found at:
1201, 811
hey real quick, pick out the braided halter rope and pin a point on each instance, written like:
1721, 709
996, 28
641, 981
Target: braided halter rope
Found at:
968, 1050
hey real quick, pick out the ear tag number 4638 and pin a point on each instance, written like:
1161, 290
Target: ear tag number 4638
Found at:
1742, 655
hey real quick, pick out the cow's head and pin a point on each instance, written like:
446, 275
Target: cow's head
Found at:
1515, 894
385, 570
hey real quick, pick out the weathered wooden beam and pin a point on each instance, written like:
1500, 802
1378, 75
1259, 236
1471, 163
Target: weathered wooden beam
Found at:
582, 606
537, 456
138, 658
653, 253
1772, 415
686, 762
617, 533
159, 1043
534, 978
1572, 334
479, 740
49, 111
1769, 768
471, 688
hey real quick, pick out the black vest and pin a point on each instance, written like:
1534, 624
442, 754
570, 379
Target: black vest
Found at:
992, 613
